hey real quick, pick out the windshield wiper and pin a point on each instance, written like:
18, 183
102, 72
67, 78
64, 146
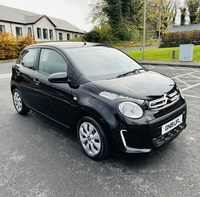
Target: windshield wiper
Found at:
129, 72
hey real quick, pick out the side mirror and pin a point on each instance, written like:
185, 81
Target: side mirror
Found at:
22, 63
60, 77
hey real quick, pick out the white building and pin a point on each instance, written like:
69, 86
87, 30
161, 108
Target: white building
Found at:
41, 27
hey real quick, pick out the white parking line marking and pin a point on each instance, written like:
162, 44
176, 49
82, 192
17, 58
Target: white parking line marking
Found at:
4, 76
151, 66
169, 67
182, 81
195, 77
191, 96
191, 87
182, 78
185, 74
180, 68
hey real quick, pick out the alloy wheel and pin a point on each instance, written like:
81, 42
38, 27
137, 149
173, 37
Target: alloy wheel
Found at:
90, 139
17, 101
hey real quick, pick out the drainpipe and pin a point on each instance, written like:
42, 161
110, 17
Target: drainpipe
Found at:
33, 35
11, 29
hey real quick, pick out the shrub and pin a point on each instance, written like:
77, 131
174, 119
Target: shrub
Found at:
24, 41
10, 46
122, 34
176, 38
92, 36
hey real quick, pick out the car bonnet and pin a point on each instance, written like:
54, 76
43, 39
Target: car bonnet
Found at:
146, 85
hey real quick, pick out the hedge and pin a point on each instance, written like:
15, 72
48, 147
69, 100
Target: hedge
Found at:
10, 47
172, 39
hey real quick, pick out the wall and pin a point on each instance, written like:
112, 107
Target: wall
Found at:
43, 23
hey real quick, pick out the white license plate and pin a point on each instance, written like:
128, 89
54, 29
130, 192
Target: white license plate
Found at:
172, 124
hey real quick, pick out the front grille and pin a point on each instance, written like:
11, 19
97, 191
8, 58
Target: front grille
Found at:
165, 101
166, 137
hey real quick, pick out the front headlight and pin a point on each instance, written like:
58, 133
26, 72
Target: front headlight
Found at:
131, 110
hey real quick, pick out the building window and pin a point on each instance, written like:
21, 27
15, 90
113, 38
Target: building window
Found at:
68, 36
30, 31
45, 33
39, 35
75, 36
60, 36
18, 31
2, 28
51, 34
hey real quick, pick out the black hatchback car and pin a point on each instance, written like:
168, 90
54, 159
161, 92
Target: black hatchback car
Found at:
111, 101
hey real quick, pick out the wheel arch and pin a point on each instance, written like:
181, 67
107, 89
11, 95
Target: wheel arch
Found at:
18, 102
97, 117
101, 127
12, 88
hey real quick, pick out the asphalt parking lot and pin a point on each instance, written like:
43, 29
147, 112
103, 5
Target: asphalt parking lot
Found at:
39, 158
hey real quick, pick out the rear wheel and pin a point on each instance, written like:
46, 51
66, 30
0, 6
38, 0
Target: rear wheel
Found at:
18, 102
92, 138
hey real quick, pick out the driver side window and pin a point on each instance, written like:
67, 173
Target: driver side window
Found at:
51, 62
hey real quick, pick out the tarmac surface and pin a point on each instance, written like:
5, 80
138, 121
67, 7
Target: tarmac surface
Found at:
39, 158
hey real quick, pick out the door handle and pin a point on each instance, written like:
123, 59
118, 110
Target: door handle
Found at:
36, 81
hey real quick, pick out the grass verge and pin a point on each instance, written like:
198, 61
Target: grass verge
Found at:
164, 54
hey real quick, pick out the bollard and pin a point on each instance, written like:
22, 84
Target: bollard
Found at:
173, 54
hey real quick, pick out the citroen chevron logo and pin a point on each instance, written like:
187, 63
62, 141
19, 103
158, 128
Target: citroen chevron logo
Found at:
165, 98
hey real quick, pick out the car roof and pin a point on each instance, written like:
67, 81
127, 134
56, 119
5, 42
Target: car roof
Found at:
68, 44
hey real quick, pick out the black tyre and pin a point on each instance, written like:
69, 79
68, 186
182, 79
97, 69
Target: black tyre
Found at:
92, 138
18, 102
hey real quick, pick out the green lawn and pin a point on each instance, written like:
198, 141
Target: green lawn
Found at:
164, 54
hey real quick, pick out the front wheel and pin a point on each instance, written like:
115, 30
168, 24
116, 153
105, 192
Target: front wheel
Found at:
18, 102
92, 138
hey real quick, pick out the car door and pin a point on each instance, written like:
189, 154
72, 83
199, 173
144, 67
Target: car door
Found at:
23, 73
52, 99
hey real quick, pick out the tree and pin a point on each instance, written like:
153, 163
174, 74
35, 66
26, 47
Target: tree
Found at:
169, 9
97, 16
118, 14
160, 13
132, 11
122, 16
183, 15
113, 10
193, 7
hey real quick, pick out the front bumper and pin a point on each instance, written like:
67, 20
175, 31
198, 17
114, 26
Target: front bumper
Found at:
131, 149
146, 137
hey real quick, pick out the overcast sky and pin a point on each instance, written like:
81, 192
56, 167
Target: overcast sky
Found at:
73, 11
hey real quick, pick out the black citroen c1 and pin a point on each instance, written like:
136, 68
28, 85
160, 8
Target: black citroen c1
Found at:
113, 103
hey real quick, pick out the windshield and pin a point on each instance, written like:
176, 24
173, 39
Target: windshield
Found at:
100, 62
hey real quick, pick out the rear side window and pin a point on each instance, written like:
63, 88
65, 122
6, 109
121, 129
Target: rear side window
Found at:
28, 58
